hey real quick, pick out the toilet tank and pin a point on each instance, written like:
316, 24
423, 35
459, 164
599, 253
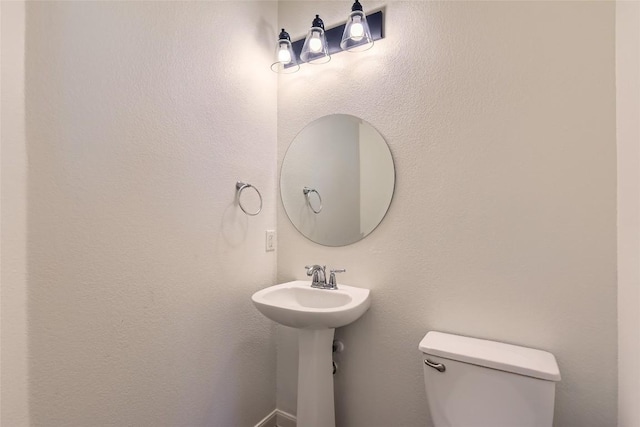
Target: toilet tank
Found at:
479, 383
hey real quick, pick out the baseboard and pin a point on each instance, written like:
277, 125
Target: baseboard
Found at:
284, 419
269, 420
277, 418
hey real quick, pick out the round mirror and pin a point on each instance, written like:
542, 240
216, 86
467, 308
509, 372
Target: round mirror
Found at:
337, 180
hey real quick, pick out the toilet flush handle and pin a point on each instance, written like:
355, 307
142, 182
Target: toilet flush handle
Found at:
437, 366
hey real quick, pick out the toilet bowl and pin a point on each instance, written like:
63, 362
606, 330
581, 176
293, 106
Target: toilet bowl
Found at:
478, 383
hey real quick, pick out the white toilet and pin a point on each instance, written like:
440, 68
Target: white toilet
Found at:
477, 383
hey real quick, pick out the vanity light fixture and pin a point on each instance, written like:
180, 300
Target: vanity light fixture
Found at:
315, 49
285, 57
357, 35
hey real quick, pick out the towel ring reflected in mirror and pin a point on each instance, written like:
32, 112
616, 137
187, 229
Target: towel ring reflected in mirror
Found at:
306, 191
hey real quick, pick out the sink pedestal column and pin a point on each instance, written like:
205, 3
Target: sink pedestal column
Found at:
315, 378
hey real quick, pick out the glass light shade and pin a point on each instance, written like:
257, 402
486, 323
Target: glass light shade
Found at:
315, 49
357, 35
285, 58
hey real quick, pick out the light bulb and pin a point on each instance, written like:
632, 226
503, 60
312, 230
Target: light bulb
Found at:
315, 44
314, 49
284, 55
285, 58
356, 36
357, 31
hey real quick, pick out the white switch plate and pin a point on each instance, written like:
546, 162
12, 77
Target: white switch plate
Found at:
270, 240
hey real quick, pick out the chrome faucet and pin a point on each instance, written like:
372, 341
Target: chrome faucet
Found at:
319, 277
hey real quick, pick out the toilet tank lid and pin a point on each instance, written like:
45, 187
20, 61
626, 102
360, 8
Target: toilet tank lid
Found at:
491, 354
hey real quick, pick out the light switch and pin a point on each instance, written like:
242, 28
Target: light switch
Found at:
270, 241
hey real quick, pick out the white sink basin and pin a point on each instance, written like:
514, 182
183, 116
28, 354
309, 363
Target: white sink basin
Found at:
298, 305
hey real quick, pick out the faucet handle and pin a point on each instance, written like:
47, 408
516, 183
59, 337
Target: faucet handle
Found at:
332, 278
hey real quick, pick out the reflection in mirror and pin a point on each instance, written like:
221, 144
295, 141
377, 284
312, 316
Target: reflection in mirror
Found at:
337, 180
307, 191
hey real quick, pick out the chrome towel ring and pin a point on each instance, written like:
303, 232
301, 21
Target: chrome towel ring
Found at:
307, 191
240, 187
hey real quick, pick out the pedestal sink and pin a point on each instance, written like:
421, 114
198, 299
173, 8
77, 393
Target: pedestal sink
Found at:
315, 313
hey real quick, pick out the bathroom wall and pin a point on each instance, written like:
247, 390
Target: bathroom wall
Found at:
628, 138
140, 118
13, 178
501, 120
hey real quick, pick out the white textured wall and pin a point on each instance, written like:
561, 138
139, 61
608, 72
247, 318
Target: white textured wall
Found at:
141, 116
501, 120
628, 137
13, 164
